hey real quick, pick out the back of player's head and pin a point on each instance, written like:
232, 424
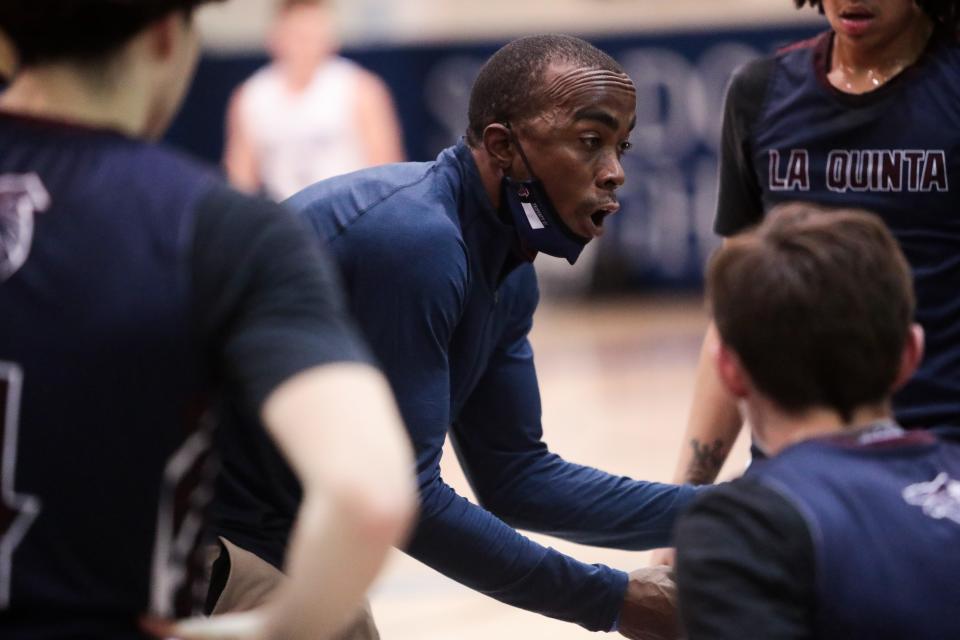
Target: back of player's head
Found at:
511, 87
56, 30
946, 12
817, 305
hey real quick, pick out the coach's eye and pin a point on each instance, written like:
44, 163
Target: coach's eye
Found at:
625, 146
592, 143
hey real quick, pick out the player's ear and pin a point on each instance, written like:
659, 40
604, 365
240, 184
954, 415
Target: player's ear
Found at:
498, 143
911, 356
730, 371
164, 34
274, 41
8, 58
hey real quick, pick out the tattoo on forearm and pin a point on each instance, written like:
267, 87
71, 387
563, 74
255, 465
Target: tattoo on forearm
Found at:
706, 462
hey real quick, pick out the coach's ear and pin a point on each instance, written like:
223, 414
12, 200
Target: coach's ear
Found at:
730, 371
911, 356
498, 143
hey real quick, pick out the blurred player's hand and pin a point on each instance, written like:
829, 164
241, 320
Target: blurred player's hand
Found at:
249, 625
650, 607
664, 557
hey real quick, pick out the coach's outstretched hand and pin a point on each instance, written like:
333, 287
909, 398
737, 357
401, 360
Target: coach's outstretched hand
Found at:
650, 607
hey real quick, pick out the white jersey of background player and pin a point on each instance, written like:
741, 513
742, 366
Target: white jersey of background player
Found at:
310, 114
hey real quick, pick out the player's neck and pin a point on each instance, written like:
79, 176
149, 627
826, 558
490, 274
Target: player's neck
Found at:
776, 429
62, 92
859, 66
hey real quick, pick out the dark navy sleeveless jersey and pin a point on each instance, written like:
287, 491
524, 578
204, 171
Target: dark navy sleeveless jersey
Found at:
789, 135
109, 342
883, 510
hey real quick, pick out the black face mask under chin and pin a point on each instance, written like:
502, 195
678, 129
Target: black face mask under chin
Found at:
536, 220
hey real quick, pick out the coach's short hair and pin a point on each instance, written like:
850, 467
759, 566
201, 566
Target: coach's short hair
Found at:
817, 304
84, 30
510, 86
946, 12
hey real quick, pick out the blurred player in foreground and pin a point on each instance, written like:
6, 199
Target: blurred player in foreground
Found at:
437, 258
135, 290
310, 114
849, 530
852, 118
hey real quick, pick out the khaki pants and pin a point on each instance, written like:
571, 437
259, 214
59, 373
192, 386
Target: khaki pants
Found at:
251, 580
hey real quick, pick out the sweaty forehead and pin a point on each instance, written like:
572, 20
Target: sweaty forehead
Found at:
566, 85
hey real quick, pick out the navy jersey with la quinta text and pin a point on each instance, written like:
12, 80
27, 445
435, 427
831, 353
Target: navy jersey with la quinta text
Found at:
790, 135
131, 285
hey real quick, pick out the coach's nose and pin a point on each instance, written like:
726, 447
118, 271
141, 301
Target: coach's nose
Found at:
610, 175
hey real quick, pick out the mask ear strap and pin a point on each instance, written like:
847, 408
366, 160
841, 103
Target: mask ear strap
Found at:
523, 156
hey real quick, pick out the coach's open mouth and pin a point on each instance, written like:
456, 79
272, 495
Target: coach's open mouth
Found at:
601, 213
598, 216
